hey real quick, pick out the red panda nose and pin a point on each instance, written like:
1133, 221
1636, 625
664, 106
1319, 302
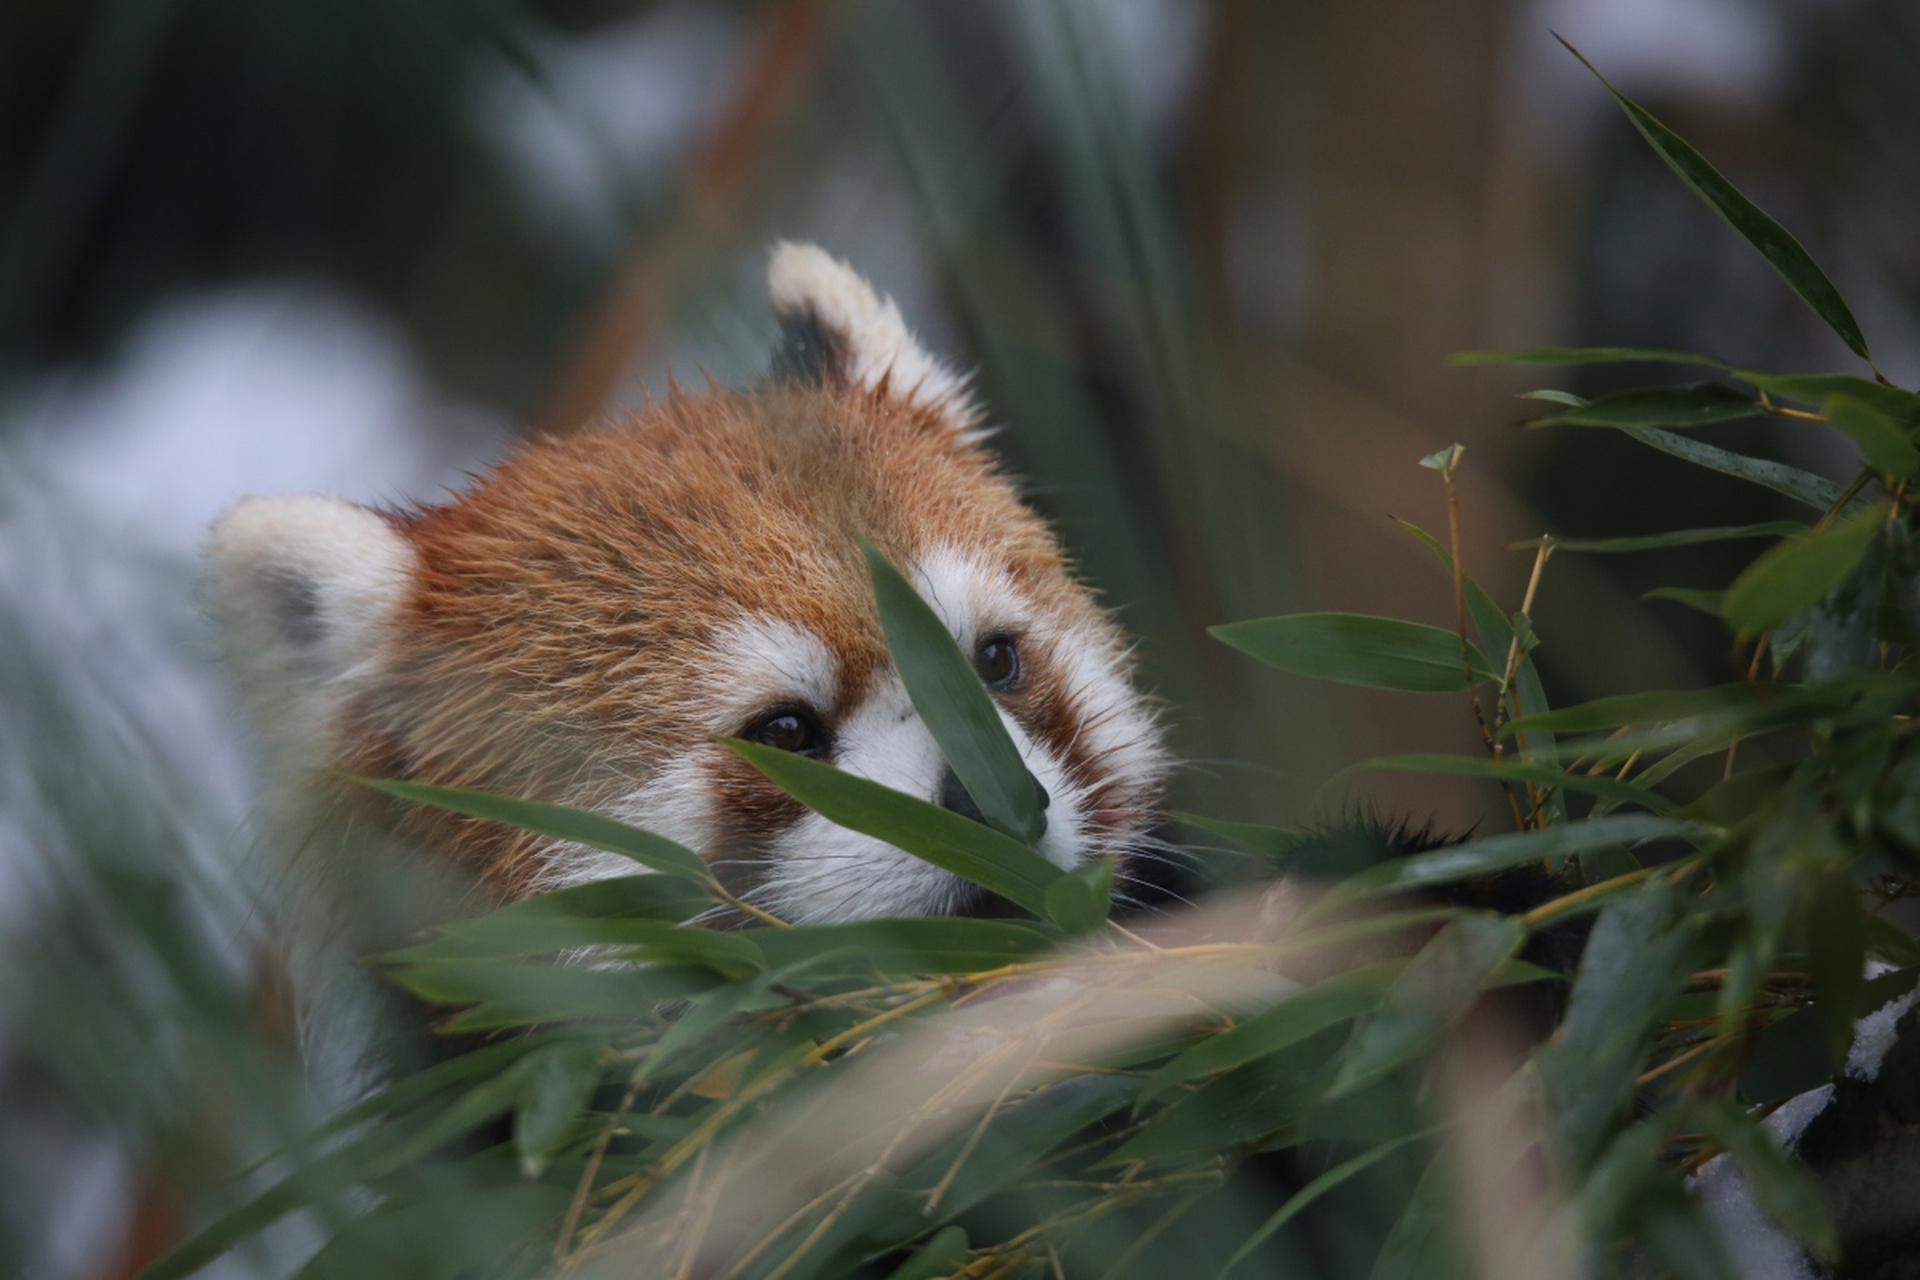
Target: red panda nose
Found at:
954, 796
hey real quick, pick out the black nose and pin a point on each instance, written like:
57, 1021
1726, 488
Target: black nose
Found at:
954, 796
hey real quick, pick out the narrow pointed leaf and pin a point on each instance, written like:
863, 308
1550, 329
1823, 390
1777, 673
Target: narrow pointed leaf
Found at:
1515, 771
1314, 1190
1431, 993
1299, 1016
971, 850
1768, 238
1477, 857
1707, 602
1677, 538
561, 823
1782, 1185
1901, 405
955, 706
1664, 707
1696, 406
1883, 442
1799, 572
557, 1083
1802, 486
1584, 355
1080, 900
1381, 653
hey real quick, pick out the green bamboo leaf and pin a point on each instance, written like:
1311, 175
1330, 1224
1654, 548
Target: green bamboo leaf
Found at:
1677, 538
908, 948
955, 706
1836, 958
1554, 397
1584, 355
1317, 1188
1678, 1236
1270, 842
1664, 707
1543, 775
971, 850
561, 823
1492, 853
943, 1255
1788, 1056
1782, 1185
474, 1230
1301, 1015
1768, 238
1080, 900
1695, 406
1635, 959
1802, 486
1434, 991
1883, 442
1796, 574
555, 1088
1901, 405
660, 941
1381, 653
1707, 602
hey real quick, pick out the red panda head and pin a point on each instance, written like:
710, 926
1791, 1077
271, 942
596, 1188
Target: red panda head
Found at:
583, 623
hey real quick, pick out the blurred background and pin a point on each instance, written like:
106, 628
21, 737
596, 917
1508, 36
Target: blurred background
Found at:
1208, 260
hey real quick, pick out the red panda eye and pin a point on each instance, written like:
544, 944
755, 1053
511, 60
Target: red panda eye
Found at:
789, 729
997, 661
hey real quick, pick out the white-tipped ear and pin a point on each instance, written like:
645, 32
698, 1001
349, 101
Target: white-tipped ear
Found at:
834, 328
302, 589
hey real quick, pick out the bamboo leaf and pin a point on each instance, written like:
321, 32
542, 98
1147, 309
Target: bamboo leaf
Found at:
1381, 653
1782, 1185
955, 706
1883, 442
907, 948
1080, 900
1796, 574
1431, 993
1301, 1015
1768, 238
1478, 857
554, 1090
1695, 406
1677, 538
1543, 775
1665, 707
1707, 602
1901, 405
971, 850
561, 823
1802, 486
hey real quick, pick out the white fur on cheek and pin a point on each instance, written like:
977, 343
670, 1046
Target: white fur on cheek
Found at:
819, 871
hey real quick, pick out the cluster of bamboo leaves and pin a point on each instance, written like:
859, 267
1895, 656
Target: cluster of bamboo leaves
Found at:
1733, 847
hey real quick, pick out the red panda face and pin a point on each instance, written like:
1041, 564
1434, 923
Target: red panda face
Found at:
584, 623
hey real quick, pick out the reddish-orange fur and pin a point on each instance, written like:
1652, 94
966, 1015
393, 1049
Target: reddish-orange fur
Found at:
549, 645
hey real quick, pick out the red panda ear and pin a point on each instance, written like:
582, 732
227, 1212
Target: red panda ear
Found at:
303, 589
834, 330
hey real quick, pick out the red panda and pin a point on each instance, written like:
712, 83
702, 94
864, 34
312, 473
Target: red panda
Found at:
583, 622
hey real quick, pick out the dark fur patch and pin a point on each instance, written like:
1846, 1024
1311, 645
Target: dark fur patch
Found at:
809, 353
296, 609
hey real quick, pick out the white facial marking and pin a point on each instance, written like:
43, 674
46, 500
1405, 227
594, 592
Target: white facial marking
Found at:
760, 662
819, 871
